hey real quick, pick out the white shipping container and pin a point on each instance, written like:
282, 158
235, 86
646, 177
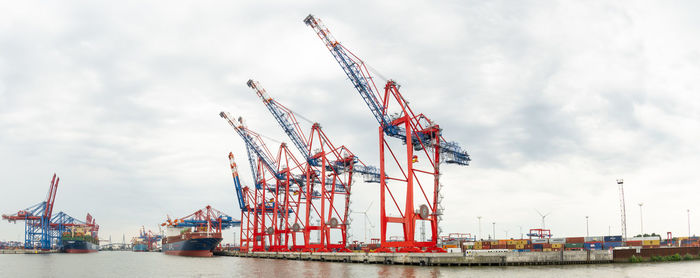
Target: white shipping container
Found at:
557, 240
593, 238
539, 240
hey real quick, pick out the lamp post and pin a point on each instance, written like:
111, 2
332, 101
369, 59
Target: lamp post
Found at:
479, 236
586, 225
494, 230
521, 231
641, 219
688, 222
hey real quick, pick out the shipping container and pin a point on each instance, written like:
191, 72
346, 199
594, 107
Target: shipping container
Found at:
537, 246
612, 244
557, 245
539, 240
574, 245
612, 238
593, 239
557, 240
651, 242
593, 245
575, 240
546, 249
634, 243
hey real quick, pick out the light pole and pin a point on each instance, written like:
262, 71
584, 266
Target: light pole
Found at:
641, 219
586, 225
494, 230
521, 231
479, 236
688, 222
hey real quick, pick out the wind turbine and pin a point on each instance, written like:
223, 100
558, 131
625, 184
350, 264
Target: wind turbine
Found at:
543, 216
366, 220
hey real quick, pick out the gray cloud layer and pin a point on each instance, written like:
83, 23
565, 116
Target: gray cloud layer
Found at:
553, 100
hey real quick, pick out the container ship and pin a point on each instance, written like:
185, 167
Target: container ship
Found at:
196, 235
139, 246
80, 239
190, 241
146, 241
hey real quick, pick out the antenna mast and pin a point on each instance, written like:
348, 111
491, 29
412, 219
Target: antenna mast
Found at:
623, 223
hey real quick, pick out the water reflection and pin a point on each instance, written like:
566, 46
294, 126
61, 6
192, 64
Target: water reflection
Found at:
130, 264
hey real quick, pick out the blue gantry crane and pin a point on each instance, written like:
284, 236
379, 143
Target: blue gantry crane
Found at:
37, 219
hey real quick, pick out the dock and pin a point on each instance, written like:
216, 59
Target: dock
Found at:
442, 259
27, 251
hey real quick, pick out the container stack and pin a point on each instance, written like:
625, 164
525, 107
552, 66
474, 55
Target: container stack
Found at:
574, 243
612, 242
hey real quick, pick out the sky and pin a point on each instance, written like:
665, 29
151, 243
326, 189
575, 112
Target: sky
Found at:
553, 100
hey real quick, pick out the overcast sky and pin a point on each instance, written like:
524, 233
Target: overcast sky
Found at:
554, 100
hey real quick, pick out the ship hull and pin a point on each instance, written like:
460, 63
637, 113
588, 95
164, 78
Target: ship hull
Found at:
140, 248
79, 246
196, 247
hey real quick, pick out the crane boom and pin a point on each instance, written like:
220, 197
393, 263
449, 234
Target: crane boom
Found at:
354, 68
236, 181
259, 148
362, 80
285, 118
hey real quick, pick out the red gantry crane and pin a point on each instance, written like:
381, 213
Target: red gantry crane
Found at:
330, 169
414, 169
277, 209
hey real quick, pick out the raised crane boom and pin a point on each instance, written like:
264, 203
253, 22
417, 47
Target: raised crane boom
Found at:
236, 181
285, 118
254, 142
361, 79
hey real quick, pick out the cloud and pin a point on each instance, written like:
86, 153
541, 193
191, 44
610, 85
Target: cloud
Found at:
553, 102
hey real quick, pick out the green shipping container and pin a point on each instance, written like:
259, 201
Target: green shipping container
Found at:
573, 245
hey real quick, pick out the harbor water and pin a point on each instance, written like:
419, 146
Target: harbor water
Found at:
132, 264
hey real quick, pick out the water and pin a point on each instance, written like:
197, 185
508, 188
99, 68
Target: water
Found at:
131, 264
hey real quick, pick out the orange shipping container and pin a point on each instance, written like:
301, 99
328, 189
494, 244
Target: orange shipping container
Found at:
634, 243
575, 240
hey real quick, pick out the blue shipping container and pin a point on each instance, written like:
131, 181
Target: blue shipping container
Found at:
537, 246
612, 238
593, 246
612, 244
